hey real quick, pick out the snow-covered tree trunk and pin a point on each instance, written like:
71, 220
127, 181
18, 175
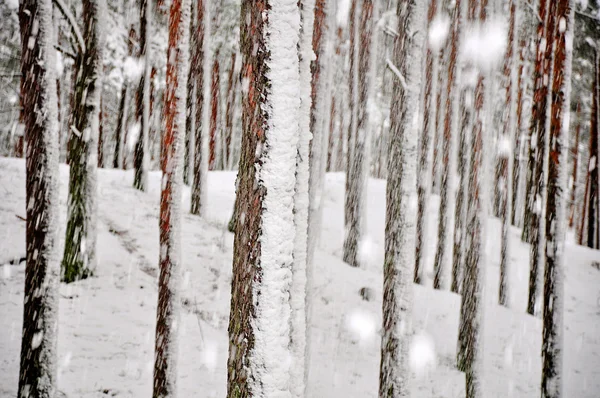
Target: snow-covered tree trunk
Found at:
425, 144
539, 136
261, 310
203, 29
231, 98
556, 220
37, 372
171, 162
101, 120
190, 121
120, 154
214, 112
79, 260
141, 157
470, 344
401, 195
361, 18
505, 149
443, 256
574, 182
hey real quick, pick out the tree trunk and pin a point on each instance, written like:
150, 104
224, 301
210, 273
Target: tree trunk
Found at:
167, 312
361, 16
425, 144
79, 260
141, 156
214, 112
100, 132
553, 324
37, 372
198, 199
264, 238
190, 112
507, 139
400, 228
538, 133
575, 174
232, 86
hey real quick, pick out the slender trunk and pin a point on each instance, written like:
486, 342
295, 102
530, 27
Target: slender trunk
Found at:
232, 80
553, 324
37, 368
168, 308
100, 133
214, 112
79, 260
575, 175
121, 126
190, 112
584, 207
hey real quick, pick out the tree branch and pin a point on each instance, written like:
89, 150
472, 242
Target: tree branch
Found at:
71, 19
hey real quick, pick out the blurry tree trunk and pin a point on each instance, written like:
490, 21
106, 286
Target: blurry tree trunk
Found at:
507, 139
232, 86
539, 127
119, 158
198, 199
214, 112
38, 362
167, 312
190, 112
141, 156
582, 227
470, 340
79, 260
264, 237
400, 228
100, 132
425, 144
553, 314
361, 28
592, 197
450, 112
575, 175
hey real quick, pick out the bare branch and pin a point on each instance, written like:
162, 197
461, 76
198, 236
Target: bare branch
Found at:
71, 19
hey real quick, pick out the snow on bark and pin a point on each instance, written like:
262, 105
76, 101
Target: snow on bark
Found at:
556, 220
141, 155
203, 65
169, 283
425, 150
301, 200
443, 256
261, 317
401, 195
361, 15
37, 372
79, 260
506, 157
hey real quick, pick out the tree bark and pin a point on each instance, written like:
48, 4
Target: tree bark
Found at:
167, 312
37, 371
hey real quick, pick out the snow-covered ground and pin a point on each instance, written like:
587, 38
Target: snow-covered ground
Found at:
106, 332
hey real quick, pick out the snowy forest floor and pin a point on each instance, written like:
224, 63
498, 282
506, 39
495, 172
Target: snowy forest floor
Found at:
106, 326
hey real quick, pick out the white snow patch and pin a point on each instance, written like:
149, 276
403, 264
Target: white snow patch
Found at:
366, 251
484, 45
134, 133
133, 68
6, 271
12, 4
504, 146
210, 354
438, 32
362, 325
422, 354
37, 339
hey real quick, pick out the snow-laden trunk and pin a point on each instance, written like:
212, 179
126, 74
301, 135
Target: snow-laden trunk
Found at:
171, 162
425, 150
213, 147
141, 157
470, 341
79, 260
201, 62
261, 313
556, 221
190, 112
401, 195
506, 148
301, 201
574, 182
541, 107
443, 255
231, 98
361, 17
37, 372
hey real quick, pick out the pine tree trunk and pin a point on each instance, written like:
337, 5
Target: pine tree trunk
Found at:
141, 156
553, 324
214, 113
198, 199
121, 126
361, 16
79, 260
264, 238
506, 156
400, 229
190, 112
443, 255
575, 174
100, 132
232, 85
167, 312
37, 372
424, 165
470, 344
539, 134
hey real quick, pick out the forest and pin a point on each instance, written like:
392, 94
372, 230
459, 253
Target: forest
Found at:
299, 198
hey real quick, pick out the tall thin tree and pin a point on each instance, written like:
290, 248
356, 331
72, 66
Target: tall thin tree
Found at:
400, 229
171, 162
37, 372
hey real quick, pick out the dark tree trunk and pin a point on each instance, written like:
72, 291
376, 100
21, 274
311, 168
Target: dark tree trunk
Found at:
214, 112
575, 174
37, 372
